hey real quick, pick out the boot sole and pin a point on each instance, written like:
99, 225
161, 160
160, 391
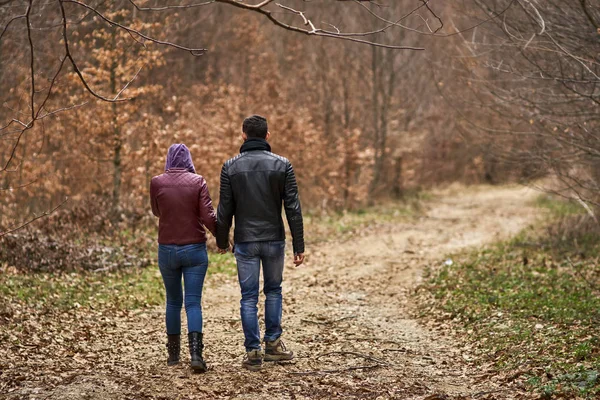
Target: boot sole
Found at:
272, 357
252, 367
199, 367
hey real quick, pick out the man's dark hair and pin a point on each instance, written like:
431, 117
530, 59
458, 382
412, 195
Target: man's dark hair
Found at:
255, 127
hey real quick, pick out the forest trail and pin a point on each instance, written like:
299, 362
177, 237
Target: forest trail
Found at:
350, 297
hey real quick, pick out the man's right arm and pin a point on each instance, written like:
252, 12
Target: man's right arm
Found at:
225, 210
293, 212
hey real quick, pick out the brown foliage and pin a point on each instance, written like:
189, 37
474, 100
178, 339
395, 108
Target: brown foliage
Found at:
358, 123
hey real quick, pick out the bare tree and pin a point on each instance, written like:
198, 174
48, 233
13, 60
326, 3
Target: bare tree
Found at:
530, 86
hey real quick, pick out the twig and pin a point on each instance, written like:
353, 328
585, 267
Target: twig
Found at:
103, 269
51, 113
353, 353
458, 32
32, 59
171, 7
476, 395
128, 83
588, 209
74, 64
34, 114
328, 322
313, 31
10, 22
20, 186
193, 51
426, 3
374, 339
334, 371
402, 350
44, 214
378, 363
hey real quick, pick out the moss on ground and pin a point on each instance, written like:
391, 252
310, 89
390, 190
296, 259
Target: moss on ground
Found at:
531, 305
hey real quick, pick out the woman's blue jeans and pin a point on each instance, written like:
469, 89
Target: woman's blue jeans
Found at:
249, 256
191, 262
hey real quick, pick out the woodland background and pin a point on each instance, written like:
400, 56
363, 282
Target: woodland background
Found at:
504, 90
377, 103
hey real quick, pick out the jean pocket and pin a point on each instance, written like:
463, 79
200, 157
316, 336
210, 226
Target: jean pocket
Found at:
196, 257
242, 249
164, 258
277, 248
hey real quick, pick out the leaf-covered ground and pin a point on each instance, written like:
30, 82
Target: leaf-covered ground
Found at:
348, 315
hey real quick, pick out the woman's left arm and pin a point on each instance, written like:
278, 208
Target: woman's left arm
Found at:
208, 217
153, 200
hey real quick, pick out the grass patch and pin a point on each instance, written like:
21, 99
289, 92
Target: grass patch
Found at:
532, 304
336, 225
221, 264
559, 207
128, 288
123, 289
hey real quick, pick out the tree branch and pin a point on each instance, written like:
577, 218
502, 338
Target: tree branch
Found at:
458, 32
44, 214
313, 31
10, 22
171, 7
194, 52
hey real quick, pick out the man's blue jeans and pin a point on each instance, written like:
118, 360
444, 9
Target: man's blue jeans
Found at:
249, 256
191, 261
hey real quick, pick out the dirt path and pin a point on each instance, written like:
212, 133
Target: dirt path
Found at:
351, 297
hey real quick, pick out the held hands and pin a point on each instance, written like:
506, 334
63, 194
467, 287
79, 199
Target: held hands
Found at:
223, 251
229, 248
298, 259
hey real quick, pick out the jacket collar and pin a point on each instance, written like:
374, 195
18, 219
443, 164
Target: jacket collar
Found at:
254, 144
176, 170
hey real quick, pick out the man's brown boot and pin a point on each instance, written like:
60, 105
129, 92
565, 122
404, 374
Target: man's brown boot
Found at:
253, 360
276, 351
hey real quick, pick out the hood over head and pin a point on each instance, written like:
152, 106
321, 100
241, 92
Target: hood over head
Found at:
179, 156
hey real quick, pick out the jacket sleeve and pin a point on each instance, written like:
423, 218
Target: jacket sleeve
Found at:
293, 211
207, 212
153, 200
225, 210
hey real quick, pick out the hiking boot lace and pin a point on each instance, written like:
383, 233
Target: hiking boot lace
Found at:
283, 348
247, 357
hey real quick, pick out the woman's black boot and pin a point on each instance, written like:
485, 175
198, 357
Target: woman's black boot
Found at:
196, 346
174, 347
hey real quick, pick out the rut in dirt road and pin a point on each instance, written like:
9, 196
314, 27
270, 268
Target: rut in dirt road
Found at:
346, 316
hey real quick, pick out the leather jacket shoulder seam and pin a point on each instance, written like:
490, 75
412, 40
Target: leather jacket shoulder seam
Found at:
277, 156
232, 160
254, 170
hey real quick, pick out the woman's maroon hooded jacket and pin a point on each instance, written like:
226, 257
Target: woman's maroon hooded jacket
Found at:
181, 200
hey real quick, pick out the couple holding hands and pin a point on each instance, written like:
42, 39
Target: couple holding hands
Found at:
254, 185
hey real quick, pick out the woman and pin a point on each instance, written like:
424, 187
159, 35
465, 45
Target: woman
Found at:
181, 200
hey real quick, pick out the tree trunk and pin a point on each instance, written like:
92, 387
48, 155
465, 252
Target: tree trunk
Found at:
347, 143
117, 141
397, 186
376, 136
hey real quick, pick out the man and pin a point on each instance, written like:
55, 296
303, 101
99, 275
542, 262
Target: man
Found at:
253, 186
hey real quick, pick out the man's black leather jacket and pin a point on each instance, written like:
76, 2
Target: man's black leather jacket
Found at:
254, 184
